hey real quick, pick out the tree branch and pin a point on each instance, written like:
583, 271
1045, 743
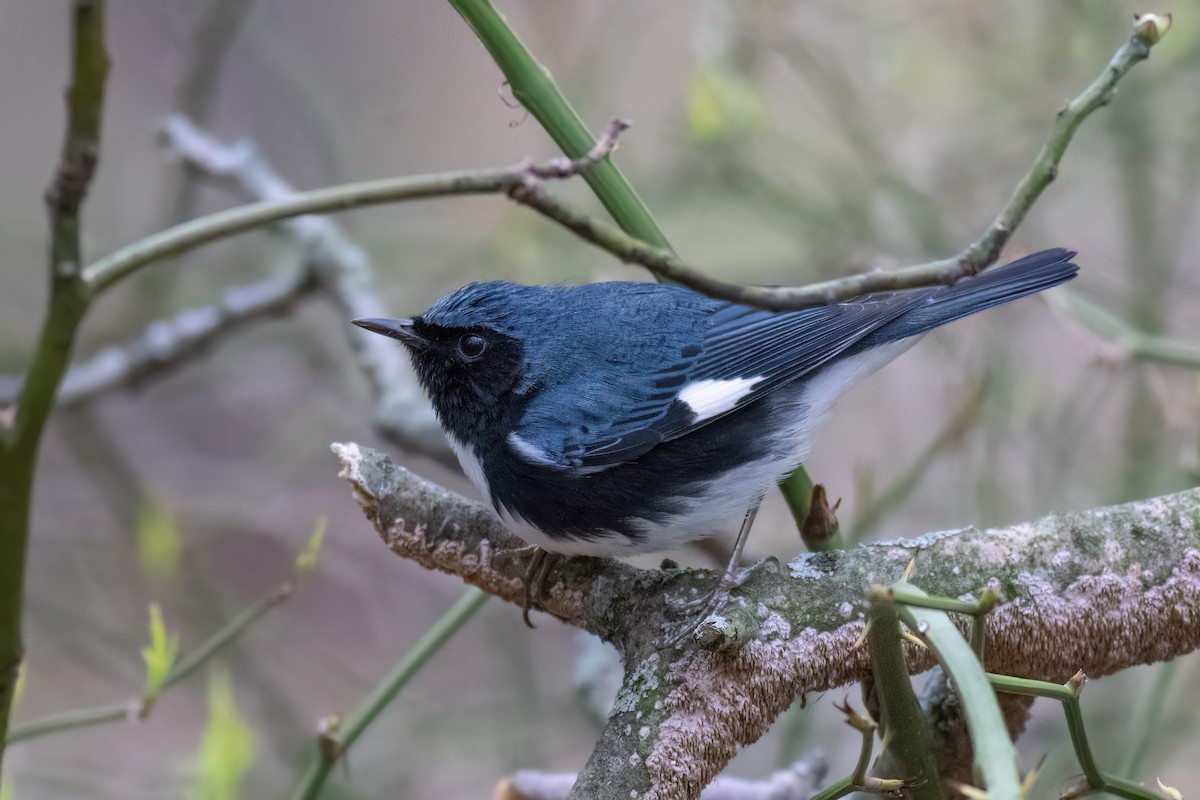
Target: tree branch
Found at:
344, 273
534, 88
165, 344
20, 437
1098, 590
799, 781
522, 183
1136, 343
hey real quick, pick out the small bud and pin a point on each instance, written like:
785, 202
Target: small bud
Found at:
1077, 788
720, 633
821, 524
1150, 28
1169, 791
328, 729
988, 600
1077, 682
968, 791
860, 722
886, 786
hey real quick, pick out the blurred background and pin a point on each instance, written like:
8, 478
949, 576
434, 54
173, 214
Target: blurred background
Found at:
775, 141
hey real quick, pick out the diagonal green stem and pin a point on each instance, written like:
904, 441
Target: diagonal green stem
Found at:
335, 744
535, 89
1068, 695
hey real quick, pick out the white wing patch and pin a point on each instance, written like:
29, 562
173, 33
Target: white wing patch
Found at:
710, 397
530, 452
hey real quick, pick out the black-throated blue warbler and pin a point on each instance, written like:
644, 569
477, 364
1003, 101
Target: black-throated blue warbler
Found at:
619, 418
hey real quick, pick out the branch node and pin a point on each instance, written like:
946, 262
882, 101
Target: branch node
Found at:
726, 632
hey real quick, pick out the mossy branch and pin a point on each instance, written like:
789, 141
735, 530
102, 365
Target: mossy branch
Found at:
1104, 589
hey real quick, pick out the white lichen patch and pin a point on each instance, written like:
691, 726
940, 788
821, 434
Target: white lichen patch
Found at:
846, 610
643, 682
800, 569
774, 626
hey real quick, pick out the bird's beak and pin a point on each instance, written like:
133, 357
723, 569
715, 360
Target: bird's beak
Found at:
401, 329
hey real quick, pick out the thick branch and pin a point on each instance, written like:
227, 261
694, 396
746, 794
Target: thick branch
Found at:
799, 781
1098, 590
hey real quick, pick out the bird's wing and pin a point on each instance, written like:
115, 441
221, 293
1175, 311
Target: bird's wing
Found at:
741, 355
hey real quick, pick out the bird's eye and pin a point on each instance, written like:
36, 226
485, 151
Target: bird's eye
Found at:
471, 346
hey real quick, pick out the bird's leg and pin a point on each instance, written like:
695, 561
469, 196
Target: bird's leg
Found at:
734, 576
535, 578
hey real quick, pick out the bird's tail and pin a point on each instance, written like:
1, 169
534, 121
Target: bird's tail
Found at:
1025, 276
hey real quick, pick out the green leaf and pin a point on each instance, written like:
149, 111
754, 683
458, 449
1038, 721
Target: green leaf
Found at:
722, 105
227, 751
306, 561
159, 656
159, 542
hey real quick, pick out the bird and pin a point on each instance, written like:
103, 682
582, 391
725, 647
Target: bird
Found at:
617, 418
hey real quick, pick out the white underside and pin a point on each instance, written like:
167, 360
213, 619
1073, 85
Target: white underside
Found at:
721, 504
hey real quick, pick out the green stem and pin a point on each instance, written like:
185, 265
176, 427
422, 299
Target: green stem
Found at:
68, 302
835, 790
115, 712
994, 754
797, 490
905, 734
335, 745
18, 463
1139, 343
1068, 695
534, 87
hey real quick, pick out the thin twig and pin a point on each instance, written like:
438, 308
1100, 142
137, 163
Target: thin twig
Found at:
1136, 343
164, 344
103, 273
134, 710
343, 271
333, 743
523, 183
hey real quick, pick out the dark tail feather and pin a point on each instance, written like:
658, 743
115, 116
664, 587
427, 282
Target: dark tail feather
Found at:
1025, 276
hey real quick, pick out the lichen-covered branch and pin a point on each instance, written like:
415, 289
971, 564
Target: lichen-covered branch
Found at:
1097, 590
800, 781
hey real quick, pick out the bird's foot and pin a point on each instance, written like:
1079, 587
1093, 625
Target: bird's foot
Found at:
535, 579
713, 602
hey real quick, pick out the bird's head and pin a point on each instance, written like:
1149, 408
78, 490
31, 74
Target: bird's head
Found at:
468, 354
